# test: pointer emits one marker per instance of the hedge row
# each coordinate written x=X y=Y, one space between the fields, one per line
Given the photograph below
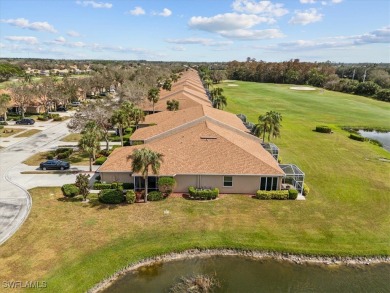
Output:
x=323 y=129
x=70 y=190
x=356 y=137
x=203 y=194
x=114 y=185
x=272 y=194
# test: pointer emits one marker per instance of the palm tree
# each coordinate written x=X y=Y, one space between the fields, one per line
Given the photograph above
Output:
x=143 y=160
x=167 y=84
x=269 y=122
x=215 y=93
x=220 y=102
x=172 y=105
x=274 y=124
x=154 y=95
x=122 y=118
x=90 y=141
x=4 y=101
x=137 y=115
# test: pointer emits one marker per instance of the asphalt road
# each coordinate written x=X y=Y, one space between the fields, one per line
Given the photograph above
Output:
x=15 y=201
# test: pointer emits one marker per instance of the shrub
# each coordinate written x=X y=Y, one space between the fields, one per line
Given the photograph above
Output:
x=53 y=116
x=128 y=130
x=155 y=196
x=292 y=194
x=166 y=185
x=128 y=185
x=63 y=150
x=50 y=157
x=63 y=155
x=357 y=137
x=111 y=196
x=70 y=190
x=58 y=118
x=101 y=186
x=43 y=118
x=1 y=126
x=117 y=185
x=100 y=161
x=306 y=189
x=272 y=194
x=203 y=194
x=3 y=123
x=105 y=153
x=323 y=129
x=130 y=196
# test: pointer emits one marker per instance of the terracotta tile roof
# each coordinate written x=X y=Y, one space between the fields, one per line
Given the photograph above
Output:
x=169 y=121
x=205 y=148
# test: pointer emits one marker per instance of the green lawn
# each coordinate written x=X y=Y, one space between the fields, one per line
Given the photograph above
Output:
x=72 y=246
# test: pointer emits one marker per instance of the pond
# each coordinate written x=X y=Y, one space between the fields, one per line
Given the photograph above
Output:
x=382 y=137
x=242 y=274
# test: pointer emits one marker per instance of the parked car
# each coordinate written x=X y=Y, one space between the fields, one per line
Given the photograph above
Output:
x=76 y=104
x=61 y=109
x=54 y=165
x=26 y=121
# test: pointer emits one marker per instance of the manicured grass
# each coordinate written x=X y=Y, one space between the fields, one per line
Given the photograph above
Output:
x=28 y=133
x=8 y=131
x=73 y=137
x=76 y=158
x=73 y=245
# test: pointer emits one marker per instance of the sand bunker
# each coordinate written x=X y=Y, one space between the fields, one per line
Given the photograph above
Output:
x=302 y=88
x=231 y=84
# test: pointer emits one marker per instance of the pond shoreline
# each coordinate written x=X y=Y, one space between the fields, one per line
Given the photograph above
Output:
x=193 y=253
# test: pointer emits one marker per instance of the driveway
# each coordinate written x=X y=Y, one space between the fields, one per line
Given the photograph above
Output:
x=15 y=201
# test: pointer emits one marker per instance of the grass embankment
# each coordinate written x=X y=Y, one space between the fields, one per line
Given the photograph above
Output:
x=28 y=133
x=73 y=246
x=73 y=137
x=7 y=131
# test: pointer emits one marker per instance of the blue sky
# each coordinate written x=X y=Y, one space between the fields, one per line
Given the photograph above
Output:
x=197 y=30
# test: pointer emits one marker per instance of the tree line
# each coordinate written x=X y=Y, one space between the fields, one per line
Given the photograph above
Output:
x=367 y=80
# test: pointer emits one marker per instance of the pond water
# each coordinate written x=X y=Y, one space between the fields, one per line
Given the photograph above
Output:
x=240 y=274
x=382 y=137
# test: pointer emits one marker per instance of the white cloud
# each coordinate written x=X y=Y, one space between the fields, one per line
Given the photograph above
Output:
x=305 y=17
x=377 y=36
x=36 y=26
x=137 y=11
x=337 y=1
x=60 y=40
x=308 y=1
x=94 y=4
x=73 y=34
x=77 y=44
x=199 y=41
x=227 y=21
x=166 y=12
x=23 y=39
x=252 y=34
x=266 y=8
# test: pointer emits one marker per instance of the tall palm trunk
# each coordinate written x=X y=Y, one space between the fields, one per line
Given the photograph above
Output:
x=121 y=134
x=146 y=187
x=90 y=163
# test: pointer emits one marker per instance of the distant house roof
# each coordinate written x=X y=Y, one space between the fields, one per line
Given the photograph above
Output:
x=167 y=121
x=205 y=148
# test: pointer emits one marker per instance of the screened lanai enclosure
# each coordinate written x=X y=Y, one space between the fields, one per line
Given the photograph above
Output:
x=272 y=149
x=294 y=176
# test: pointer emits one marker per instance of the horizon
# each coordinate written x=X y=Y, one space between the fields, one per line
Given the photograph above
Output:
x=201 y=31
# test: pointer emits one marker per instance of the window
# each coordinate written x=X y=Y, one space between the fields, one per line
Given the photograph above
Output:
x=269 y=183
x=227 y=181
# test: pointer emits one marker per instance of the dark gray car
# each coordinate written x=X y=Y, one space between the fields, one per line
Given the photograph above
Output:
x=54 y=165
